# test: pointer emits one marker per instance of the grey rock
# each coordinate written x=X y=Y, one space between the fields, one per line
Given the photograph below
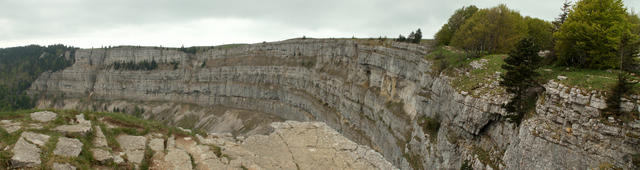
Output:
x=133 y=146
x=63 y=166
x=68 y=147
x=35 y=138
x=101 y=155
x=157 y=144
x=44 y=116
x=10 y=126
x=25 y=154
x=100 y=140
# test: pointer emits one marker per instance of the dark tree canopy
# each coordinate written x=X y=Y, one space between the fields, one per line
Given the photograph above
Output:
x=520 y=74
x=20 y=66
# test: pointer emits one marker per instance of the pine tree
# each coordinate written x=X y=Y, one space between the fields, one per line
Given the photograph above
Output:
x=566 y=8
x=614 y=100
x=520 y=75
x=417 y=37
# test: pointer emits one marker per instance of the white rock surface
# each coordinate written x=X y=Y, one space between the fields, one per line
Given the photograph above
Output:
x=44 y=116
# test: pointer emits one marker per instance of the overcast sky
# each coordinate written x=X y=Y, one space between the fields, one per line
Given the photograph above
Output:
x=172 y=23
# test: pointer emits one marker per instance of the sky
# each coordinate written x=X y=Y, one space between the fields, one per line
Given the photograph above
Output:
x=175 y=23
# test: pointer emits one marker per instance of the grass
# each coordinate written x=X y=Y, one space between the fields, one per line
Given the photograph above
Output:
x=478 y=79
x=455 y=64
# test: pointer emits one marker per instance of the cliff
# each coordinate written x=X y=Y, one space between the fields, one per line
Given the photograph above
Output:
x=379 y=94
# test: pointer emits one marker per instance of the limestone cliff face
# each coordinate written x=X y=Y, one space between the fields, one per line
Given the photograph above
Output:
x=374 y=93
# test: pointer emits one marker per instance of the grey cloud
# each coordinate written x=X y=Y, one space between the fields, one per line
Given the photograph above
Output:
x=32 y=19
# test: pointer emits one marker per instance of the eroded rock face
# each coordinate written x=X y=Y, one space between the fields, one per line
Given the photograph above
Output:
x=373 y=93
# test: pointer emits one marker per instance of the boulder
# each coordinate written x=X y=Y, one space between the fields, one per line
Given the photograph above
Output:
x=68 y=147
x=44 y=116
x=25 y=154
x=101 y=155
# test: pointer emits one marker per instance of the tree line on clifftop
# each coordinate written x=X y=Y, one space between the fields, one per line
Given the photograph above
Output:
x=588 y=34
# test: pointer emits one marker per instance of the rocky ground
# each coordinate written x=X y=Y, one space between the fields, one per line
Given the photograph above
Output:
x=65 y=140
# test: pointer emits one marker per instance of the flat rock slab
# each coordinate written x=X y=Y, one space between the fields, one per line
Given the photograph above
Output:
x=100 y=140
x=178 y=159
x=35 y=138
x=101 y=155
x=133 y=146
x=69 y=147
x=44 y=116
x=74 y=129
x=25 y=154
x=10 y=126
x=63 y=166
x=157 y=145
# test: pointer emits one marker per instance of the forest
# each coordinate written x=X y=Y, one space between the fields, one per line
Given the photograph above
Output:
x=20 y=66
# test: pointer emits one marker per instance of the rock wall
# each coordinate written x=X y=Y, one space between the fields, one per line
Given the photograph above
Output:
x=375 y=93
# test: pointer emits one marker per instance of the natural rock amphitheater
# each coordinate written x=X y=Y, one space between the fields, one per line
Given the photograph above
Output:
x=310 y=104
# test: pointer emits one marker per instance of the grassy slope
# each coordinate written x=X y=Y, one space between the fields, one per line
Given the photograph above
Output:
x=586 y=79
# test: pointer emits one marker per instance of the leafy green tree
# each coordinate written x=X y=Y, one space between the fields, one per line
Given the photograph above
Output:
x=592 y=35
x=540 y=32
x=494 y=30
x=520 y=76
x=443 y=37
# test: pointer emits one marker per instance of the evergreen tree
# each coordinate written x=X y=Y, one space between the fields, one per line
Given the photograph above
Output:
x=592 y=35
x=417 y=37
x=401 y=38
x=622 y=87
x=520 y=75
x=566 y=8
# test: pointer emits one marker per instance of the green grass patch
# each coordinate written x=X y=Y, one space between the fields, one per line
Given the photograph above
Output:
x=456 y=63
x=587 y=79
x=478 y=79
x=445 y=60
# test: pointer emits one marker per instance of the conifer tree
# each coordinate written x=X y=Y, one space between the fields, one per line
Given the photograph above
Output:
x=520 y=75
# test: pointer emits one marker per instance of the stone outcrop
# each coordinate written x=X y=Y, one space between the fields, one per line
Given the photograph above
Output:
x=26 y=152
x=374 y=93
x=133 y=146
x=68 y=147
x=43 y=116
x=80 y=127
